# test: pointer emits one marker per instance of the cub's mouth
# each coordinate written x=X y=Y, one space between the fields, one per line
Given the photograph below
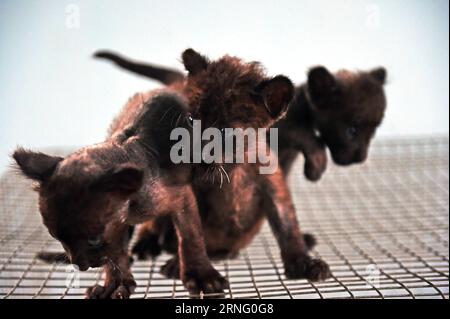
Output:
x=346 y=159
x=342 y=161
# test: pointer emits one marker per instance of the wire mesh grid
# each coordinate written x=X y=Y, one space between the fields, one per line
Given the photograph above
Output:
x=381 y=226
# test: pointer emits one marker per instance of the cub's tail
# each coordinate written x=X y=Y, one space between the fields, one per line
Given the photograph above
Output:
x=164 y=75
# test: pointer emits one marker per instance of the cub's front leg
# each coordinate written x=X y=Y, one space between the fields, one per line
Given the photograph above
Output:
x=196 y=271
x=303 y=139
x=283 y=222
x=119 y=282
x=314 y=151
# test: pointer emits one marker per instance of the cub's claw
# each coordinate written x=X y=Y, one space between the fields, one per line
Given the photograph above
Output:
x=208 y=281
x=120 y=289
x=318 y=270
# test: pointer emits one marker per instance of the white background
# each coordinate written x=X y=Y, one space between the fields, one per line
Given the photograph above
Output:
x=53 y=93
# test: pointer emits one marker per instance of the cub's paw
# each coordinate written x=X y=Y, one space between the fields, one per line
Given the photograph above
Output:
x=206 y=280
x=315 y=165
x=171 y=269
x=146 y=247
x=307 y=268
x=119 y=289
x=318 y=270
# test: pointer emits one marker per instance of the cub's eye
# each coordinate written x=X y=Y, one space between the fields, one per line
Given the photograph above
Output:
x=190 y=120
x=350 y=132
x=95 y=242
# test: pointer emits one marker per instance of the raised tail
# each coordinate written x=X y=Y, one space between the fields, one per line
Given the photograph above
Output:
x=162 y=74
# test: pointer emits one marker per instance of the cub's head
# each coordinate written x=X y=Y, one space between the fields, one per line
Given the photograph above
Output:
x=228 y=93
x=347 y=108
x=79 y=199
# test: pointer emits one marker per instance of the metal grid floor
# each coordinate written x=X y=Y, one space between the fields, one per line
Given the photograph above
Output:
x=383 y=227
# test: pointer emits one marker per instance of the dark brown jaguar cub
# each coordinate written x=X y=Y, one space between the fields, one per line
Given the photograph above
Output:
x=89 y=199
x=341 y=112
x=232 y=212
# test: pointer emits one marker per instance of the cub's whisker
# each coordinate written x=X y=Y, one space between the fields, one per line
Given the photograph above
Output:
x=226 y=174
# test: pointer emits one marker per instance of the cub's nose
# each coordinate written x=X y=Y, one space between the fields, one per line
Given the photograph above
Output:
x=83 y=266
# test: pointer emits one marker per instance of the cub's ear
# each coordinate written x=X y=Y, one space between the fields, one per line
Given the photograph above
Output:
x=321 y=81
x=379 y=74
x=124 y=179
x=34 y=165
x=276 y=93
x=194 y=62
